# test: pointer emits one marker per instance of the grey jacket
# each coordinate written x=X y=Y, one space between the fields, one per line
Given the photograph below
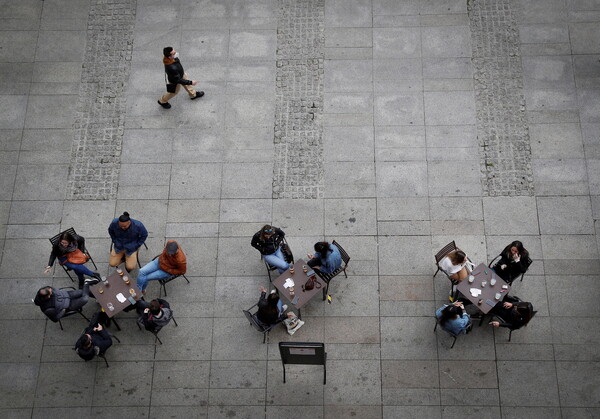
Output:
x=54 y=307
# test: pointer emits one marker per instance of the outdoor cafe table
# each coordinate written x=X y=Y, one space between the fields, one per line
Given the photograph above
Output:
x=299 y=278
x=487 y=297
x=116 y=286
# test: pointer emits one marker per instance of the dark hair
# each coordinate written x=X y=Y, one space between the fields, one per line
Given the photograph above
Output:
x=322 y=248
x=44 y=292
x=266 y=229
x=457 y=256
x=269 y=310
x=84 y=342
x=524 y=311
x=449 y=313
x=522 y=251
x=154 y=307
x=167 y=51
x=66 y=236
x=273 y=299
x=124 y=218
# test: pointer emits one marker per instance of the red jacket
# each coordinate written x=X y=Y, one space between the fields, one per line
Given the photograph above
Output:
x=174 y=264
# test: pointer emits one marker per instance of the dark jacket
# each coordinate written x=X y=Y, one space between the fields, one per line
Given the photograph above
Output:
x=513 y=269
x=129 y=240
x=54 y=307
x=174 y=71
x=509 y=317
x=58 y=252
x=269 y=246
x=101 y=341
x=153 y=323
x=267 y=314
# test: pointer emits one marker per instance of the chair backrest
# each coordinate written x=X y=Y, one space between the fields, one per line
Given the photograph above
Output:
x=257 y=324
x=343 y=253
x=444 y=251
x=54 y=240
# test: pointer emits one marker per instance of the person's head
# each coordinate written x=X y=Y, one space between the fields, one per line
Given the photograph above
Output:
x=84 y=341
x=172 y=247
x=516 y=248
x=45 y=293
x=168 y=52
x=154 y=307
x=450 y=312
x=65 y=239
x=457 y=257
x=266 y=232
x=124 y=221
x=273 y=299
x=322 y=248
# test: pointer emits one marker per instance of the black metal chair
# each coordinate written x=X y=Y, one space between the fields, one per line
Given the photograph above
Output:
x=80 y=244
x=155 y=331
x=163 y=282
x=103 y=354
x=328 y=277
x=527 y=261
x=258 y=325
x=514 y=300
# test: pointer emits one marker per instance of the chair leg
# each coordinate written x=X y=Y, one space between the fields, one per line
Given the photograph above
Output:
x=509 y=335
x=435 y=328
x=265 y=336
x=60 y=323
x=453 y=342
x=80 y=311
x=156 y=335
x=116 y=338
x=188 y=281
x=105 y=361
x=325 y=291
x=115 y=322
x=163 y=286
x=174 y=321
x=438 y=269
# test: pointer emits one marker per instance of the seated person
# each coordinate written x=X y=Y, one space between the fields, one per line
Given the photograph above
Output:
x=171 y=262
x=268 y=242
x=270 y=308
x=454 y=264
x=453 y=318
x=513 y=313
x=70 y=252
x=514 y=261
x=94 y=340
x=54 y=302
x=127 y=236
x=327 y=258
x=154 y=315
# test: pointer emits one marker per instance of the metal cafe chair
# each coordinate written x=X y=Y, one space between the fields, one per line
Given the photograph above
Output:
x=328 y=277
x=155 y=331
x=528 y=261
x=257 y=324
x=163 y=282
x=444 y=251
x=454 y=336
x=80 y=244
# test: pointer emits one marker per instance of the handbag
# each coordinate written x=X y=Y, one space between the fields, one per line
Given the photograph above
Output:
x=77 y=257
x=287 y=253
x=311 y=284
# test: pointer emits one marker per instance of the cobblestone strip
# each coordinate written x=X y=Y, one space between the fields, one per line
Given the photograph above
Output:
x=100 y=120
x=298 y=164
x=501 y=122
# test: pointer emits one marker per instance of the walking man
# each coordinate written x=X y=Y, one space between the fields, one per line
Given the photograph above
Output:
x=177 y=78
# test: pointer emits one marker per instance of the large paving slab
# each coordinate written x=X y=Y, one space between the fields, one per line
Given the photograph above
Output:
x=393 y=127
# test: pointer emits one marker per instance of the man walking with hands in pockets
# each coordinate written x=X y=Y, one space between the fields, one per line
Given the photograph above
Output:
x=177 y=78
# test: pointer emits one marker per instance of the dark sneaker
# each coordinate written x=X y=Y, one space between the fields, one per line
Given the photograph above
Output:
x=91 y=281
x=97 y=276
x=165 y=105
x=198 y=94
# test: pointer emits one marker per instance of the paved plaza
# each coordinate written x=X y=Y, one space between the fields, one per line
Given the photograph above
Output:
x=390 y=126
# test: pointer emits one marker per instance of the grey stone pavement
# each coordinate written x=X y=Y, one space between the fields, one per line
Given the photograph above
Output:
x=392 y=126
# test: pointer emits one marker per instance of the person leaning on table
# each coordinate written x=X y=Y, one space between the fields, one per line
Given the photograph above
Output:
x=127 y=236
x=327 y=257
x=453 y=318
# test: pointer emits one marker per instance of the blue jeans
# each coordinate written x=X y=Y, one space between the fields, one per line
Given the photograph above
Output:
x=79 y=268
x=277 y=259
x=150 y=272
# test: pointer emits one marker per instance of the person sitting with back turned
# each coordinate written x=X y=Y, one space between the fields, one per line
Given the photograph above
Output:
x=454 y=264
x=54 y=303
x=270 y=308
x=327 y=257
x=94 y=340
x=171 y=262
x=512 y=313
x=70 y=252
x=453 y=318
x=514 y=261
x=154 y=315
x=127 y=236
x=268 y=242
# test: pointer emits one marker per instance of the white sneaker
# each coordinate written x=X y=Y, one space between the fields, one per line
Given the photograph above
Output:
x=284 y=307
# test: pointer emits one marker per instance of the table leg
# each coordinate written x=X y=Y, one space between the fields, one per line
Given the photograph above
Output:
x=299 y=314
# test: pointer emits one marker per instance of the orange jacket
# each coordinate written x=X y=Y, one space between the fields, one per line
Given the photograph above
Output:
x=174 y=264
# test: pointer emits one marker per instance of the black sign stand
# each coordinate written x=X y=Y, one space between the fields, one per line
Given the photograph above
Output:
x=307 y=353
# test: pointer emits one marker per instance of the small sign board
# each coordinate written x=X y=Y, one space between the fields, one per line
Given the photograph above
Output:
x=307 y=353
